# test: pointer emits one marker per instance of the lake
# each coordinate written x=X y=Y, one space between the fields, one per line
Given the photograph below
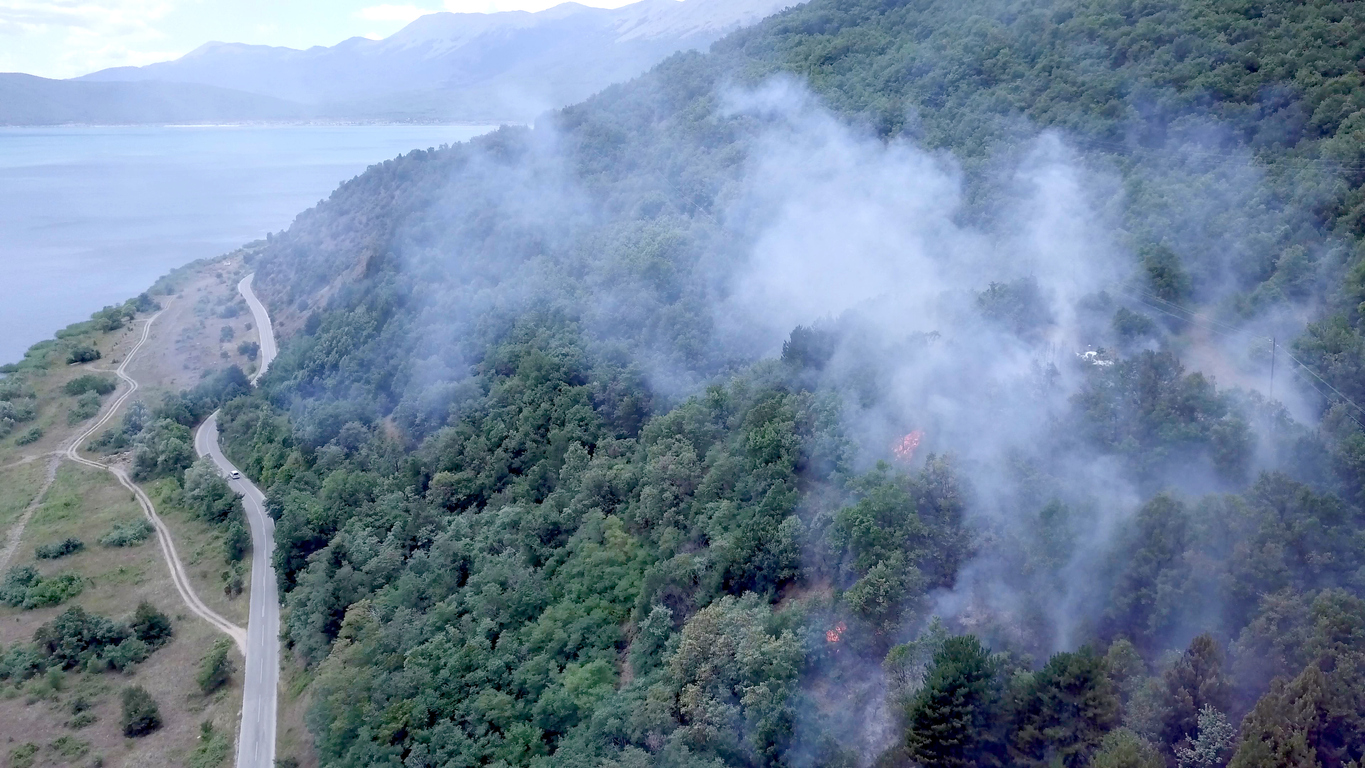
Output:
x=91 y=216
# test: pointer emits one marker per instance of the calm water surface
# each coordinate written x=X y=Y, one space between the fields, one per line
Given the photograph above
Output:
x=92 y=216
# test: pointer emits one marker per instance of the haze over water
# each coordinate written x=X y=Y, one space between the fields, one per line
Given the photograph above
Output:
x=91 y=216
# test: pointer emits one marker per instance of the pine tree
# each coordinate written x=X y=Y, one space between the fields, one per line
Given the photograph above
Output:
x=954 y=720
x=1065 y=710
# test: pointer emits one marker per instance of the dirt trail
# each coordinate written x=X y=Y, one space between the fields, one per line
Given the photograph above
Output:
x=16 y=532
x=72 y=451
x=29 y=459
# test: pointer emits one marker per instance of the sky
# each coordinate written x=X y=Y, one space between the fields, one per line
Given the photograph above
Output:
x=68 y=38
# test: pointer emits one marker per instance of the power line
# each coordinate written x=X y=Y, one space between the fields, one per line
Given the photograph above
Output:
x=1194 y=318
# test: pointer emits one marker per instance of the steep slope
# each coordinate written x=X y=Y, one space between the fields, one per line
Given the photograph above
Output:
x=657 y=434
x=29 y=100
x=509 y=65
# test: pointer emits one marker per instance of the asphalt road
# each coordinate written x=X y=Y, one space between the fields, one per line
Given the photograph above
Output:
x=256 y=742
x=263 y=327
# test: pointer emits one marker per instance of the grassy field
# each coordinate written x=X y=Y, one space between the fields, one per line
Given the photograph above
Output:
x=38 y=716
x=18 y=485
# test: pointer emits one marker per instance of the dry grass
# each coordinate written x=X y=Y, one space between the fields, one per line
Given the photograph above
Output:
x=200 y=546
x=18 y=485
x=185 y=342
x=293 y=739
x=86 y=503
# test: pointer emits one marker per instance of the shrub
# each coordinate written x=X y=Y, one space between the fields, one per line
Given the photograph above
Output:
x=82 y=354
x=23 y=755
x=217 y=666
x=33 y=435
x=236 y=542
x=21 y=662
x=14 y=589
x=68 y=546
x=76 y=637
x=127 y=534
x=90 y=382
x=54 y=591
x=18 y=410
x=87 y=405
x=209 y=496
x=151 y=626
x=111 y=318
x=140 y=713
x=214 y=747
x=227 y=334
x=250 y=349
x=127 y=654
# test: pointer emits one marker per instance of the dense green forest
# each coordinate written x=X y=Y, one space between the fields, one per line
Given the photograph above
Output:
x=548 y=492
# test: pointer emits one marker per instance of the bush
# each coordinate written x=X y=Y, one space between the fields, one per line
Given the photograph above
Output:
x=24 y=588
x=18 y=411
x=236 y=542
x=87 y=405
x=90 y=382
x=163 y=448
x=209 y=496
x=140 y=713
x=250 y=349
x=33 y=435
x=151 y=626
x=127 y=654
x=227 y=334
x=217 y=666
x=213 y=750
x=21 y=662
x=14 y=589
x=68 y=546
x=77 y=637
x=82 y=354
x=23 y=755
x=127 y=534
x=53 y=591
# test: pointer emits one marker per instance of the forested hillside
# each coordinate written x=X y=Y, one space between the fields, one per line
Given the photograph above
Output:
x=890 y=385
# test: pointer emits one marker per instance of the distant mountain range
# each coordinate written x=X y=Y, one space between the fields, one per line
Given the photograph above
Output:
x=442 y=67
x=29 y=100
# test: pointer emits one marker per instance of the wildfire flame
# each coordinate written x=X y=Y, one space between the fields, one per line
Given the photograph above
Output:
x=834 y=635
x=905 y=449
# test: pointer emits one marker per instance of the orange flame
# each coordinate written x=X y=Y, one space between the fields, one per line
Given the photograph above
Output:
x=834 y=635
x=905 y=449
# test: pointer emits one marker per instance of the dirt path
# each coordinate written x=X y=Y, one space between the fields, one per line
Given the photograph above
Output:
x=28 y=460
x=163 y=534
x=16 y=533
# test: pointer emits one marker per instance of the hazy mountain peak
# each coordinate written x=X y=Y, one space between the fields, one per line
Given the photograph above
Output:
x=466 y=66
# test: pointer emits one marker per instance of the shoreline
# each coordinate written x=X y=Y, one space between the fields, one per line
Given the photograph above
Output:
x=282 y=124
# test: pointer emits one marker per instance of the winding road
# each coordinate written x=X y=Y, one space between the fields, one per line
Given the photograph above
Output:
x=256 y=742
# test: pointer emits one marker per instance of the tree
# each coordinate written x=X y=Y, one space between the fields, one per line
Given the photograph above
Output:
x=1065 y=711
x=1209 y=748
x=1122 y=748
x=151 y=626
x=217 y=667
x=208 y=495
x=141 y=715
x=954 y=720
x=75 y=636
x=1195 y=681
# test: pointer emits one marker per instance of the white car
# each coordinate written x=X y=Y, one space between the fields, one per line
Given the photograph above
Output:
x=235 y=475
